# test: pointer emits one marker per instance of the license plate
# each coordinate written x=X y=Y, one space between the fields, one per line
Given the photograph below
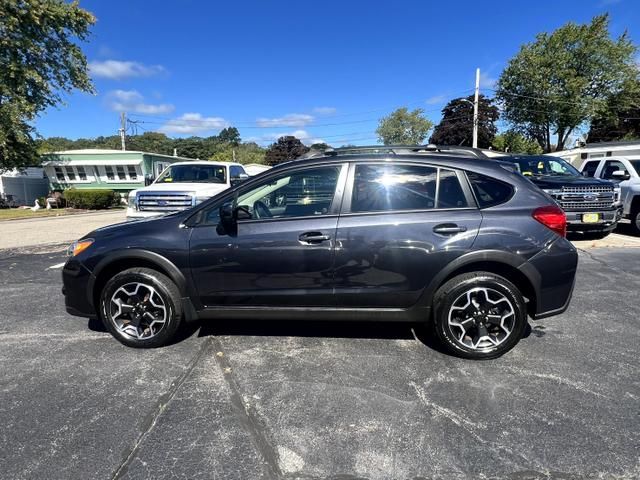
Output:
x=590 y=217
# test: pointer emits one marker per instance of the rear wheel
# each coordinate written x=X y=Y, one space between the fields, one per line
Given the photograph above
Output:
x=479 y=315
x=141 y=308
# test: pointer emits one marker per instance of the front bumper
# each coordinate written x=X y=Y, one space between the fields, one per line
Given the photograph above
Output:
x=608 y=219
x=75 y=279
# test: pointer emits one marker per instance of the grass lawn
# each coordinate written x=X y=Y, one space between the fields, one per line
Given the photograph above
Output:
x=15 y=213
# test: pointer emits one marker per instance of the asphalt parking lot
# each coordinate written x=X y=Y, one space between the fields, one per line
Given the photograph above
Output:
x=252 y=400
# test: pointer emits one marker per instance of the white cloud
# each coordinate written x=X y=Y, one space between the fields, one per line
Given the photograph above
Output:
x=132 y=101
x=325 y=110
x=192 y=123
x=116 y=69
x=487 y=81
x=289 y=120
x=436 y=100
x=302 y=135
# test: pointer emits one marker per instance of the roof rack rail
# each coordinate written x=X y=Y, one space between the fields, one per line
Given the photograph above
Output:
x=407 y=149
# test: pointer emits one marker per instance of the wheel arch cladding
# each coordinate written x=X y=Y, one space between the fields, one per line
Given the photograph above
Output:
x=111 y=265
x=509 y=266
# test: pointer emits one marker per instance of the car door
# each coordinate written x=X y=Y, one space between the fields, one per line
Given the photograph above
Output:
x=280 y=251
x=400 y=225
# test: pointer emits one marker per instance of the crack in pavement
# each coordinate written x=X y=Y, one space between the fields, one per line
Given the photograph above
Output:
x=604 y=263
x=248 y=419
x=161 y=406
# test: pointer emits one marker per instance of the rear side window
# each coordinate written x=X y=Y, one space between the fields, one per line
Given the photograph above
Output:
x=379 y=188
x=590 y=168
x=489 y=191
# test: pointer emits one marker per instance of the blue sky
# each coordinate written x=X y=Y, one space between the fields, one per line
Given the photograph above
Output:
x=325 y=71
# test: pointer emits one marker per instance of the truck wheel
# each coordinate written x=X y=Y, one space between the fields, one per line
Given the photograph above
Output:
x=479 y=315
x=635 y=221
x=141 y=308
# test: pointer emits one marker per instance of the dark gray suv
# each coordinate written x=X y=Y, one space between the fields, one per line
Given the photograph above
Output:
x=436 y=236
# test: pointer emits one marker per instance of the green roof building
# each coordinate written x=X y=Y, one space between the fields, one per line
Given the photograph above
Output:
x=119 y=170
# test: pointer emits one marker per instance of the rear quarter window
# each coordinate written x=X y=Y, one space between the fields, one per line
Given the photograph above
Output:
x=489 y=191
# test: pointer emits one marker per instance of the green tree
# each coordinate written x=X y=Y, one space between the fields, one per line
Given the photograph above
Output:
x=514 y=142
x=456 y=126
x=559 y=81
x=620 y=119
x=244 y=153
x=284 y=149
x=39 y=62
x=404 y=127
x=153 y=142
x=229 y=135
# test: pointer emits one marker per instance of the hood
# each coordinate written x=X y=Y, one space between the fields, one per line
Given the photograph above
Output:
x=200 y=189
x=551 y=182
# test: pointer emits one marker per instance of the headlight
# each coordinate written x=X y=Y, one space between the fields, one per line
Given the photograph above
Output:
x=131 y=202
x=553 y=192
x=616 y=194
x=78 y=247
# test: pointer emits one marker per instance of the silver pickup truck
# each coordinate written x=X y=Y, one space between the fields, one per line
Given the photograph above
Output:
x=625 y=171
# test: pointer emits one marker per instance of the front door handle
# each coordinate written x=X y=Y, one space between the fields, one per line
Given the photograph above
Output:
x=313 y=237
x=449 y=229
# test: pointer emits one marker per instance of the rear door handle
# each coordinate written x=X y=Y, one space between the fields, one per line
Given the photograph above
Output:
x=313 y=237
x=449 y=229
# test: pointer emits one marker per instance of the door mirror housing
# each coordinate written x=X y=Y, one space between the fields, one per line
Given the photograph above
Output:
x=238 y=179
x=229 y=216
x=621 y=175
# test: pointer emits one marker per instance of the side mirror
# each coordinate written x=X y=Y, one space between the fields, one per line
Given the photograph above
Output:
x=620 y=175
x=229 y=216
x=239 y=179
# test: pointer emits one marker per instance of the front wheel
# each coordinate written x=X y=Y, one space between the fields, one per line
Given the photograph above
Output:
x=141 y=308
x=635 y=221
x=479 y=315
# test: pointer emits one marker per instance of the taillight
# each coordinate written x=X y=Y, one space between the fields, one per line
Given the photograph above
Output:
x=553 y=218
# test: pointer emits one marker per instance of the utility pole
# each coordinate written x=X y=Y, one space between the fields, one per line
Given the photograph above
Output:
x=475 y=110
x=123 y=129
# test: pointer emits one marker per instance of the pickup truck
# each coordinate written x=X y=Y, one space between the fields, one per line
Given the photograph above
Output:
x=591 y=204
x=625 y=172
x=183 y=185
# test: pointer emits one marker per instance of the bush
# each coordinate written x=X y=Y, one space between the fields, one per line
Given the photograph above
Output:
x=91 y=199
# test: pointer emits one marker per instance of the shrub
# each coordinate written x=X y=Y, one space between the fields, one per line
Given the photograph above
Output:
x=91 y=199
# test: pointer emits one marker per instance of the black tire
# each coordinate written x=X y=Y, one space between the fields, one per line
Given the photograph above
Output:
x=458 y=290
x=165 y=289
x=635 y=221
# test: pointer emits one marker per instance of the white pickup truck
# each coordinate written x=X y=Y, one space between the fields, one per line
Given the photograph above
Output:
x=183 y=185
x=625 y=171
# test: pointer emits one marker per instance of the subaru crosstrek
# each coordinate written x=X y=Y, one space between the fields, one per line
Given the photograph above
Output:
x=442 y=237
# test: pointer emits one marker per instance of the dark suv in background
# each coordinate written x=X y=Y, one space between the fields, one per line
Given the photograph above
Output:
x=591 y=204
x=387 y=234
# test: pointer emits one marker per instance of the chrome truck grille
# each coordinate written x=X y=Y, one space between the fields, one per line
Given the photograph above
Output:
x=586 y=198
x=164 y=202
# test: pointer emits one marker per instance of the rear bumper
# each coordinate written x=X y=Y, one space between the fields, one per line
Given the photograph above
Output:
x=607 y=222
x=556 y=266
x=75 y=279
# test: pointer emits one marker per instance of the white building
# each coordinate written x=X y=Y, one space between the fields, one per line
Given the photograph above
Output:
x=25 y=186
x=577 y=156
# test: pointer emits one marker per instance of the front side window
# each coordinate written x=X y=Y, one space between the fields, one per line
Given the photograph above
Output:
x=194 y=174
x=379 y=188
x=636 y=165
x=303 y=193
x=590 y=168
x=611 y=166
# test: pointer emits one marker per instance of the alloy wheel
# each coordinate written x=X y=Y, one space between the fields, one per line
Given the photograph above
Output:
x=481 y=318
x=137 y=311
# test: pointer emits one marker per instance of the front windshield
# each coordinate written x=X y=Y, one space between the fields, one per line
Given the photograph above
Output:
x=194 y=174
x=534 y=166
